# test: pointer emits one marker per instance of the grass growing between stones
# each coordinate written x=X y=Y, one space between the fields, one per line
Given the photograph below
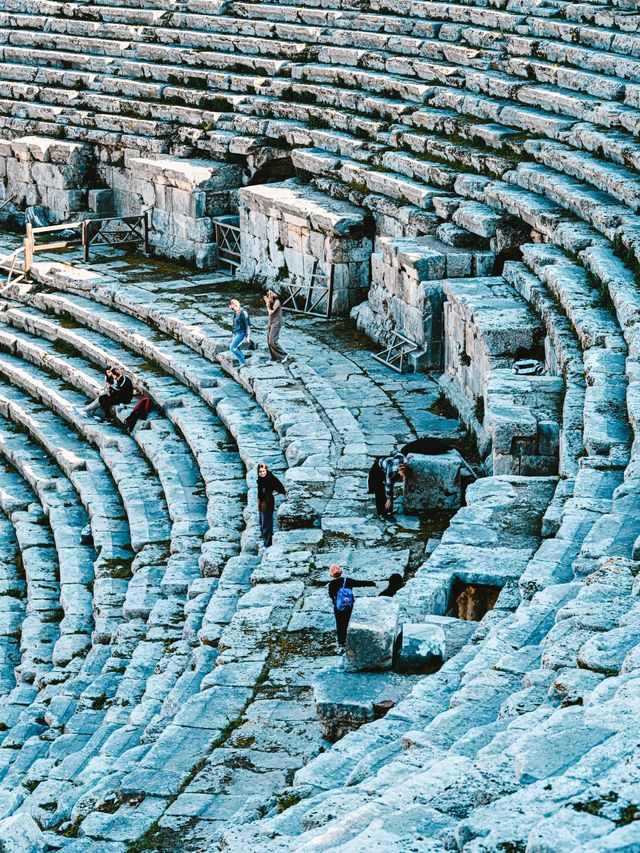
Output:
x=285 y=801
x=162 y=838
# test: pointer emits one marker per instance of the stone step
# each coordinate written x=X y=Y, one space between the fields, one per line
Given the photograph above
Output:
x=619 y=183
x=12 y=595
x=200 y=428
x=609 y=35
x=76 y=370
x=74 y=559
x=565 y=53
x=340 y=18
x=144 y=510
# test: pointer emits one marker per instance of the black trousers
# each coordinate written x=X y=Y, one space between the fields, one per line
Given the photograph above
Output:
x=381 y=500
x=342 y=623
x=107 y=401
x=266 y=527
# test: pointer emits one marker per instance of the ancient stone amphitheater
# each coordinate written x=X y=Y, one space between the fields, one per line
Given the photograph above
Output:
x=463 y=178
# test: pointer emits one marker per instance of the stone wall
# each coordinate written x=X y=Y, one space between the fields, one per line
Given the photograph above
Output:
x=486 y=326
x=406 y=292
x=185 y=196
x=290 y=231
x=50 y=173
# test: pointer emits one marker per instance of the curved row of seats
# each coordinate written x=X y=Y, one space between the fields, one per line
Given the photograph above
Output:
x=299 y=408
x=228 y=657
x=188 y=630
x=572 y=640
x=156 y=58
x=160 y=519
x=510 y=743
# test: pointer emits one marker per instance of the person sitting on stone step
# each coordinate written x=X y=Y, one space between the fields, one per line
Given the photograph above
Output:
x=241 y=326
x=120 y=392
x=341 y=594
x=108 y=382
x=268 y=483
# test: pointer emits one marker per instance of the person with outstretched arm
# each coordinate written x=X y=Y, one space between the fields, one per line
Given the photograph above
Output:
x=341 y=594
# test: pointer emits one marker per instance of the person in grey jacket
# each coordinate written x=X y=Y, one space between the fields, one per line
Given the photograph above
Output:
x=274 y=310
x=241 y=329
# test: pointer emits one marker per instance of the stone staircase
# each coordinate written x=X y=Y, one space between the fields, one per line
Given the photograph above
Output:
x=198 y=637
x=139 y=611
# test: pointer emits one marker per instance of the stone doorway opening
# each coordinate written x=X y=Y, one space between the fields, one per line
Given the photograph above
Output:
x=471 y=601
x=276 y=169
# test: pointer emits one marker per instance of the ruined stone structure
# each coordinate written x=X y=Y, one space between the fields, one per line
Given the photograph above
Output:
x=464 y=174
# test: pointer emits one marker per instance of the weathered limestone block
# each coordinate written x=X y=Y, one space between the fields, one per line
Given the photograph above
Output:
x=372 y=634
x=421 y=648
x=51 y=173
x=406 y=290
x=522 y=418
x=345 y=701
x=487 y=326
x=290 y=233
x=426 y=645
x=185 y=194
x=21 y=834
x=434 y=482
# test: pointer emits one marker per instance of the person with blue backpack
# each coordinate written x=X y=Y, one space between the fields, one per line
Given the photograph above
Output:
x=341 y=594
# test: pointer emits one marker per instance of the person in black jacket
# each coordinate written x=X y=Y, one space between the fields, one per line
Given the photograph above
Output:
x=108 y=382
x=342 y=617
x=394 y=583
x=121 y=391
x=268 y=483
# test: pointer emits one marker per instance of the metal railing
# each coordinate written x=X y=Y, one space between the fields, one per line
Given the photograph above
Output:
x=128 y=230
x=115 y=231
x=395 y=355
x=313 y=297
x=227 y=236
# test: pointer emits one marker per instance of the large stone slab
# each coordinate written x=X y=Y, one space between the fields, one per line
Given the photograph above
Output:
x=434 y=482
x=345 y=701
x=426 y=645
x=372 y=634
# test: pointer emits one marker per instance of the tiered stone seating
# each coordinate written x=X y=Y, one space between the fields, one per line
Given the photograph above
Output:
x=508 y=127
x=228 y=620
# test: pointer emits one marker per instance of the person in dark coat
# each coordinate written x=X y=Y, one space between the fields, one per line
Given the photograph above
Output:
x=394 y=583
x=121 y=391
x=343 y=616
x=268 y=483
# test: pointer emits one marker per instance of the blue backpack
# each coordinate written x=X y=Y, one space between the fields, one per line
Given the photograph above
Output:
x=344 y=598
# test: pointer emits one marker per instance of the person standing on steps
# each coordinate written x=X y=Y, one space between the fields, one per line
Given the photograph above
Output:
x=341 y=594
x=241 y=330
x=383 y=475
x=268 y=483
x=121 y=391
x=274 y=310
